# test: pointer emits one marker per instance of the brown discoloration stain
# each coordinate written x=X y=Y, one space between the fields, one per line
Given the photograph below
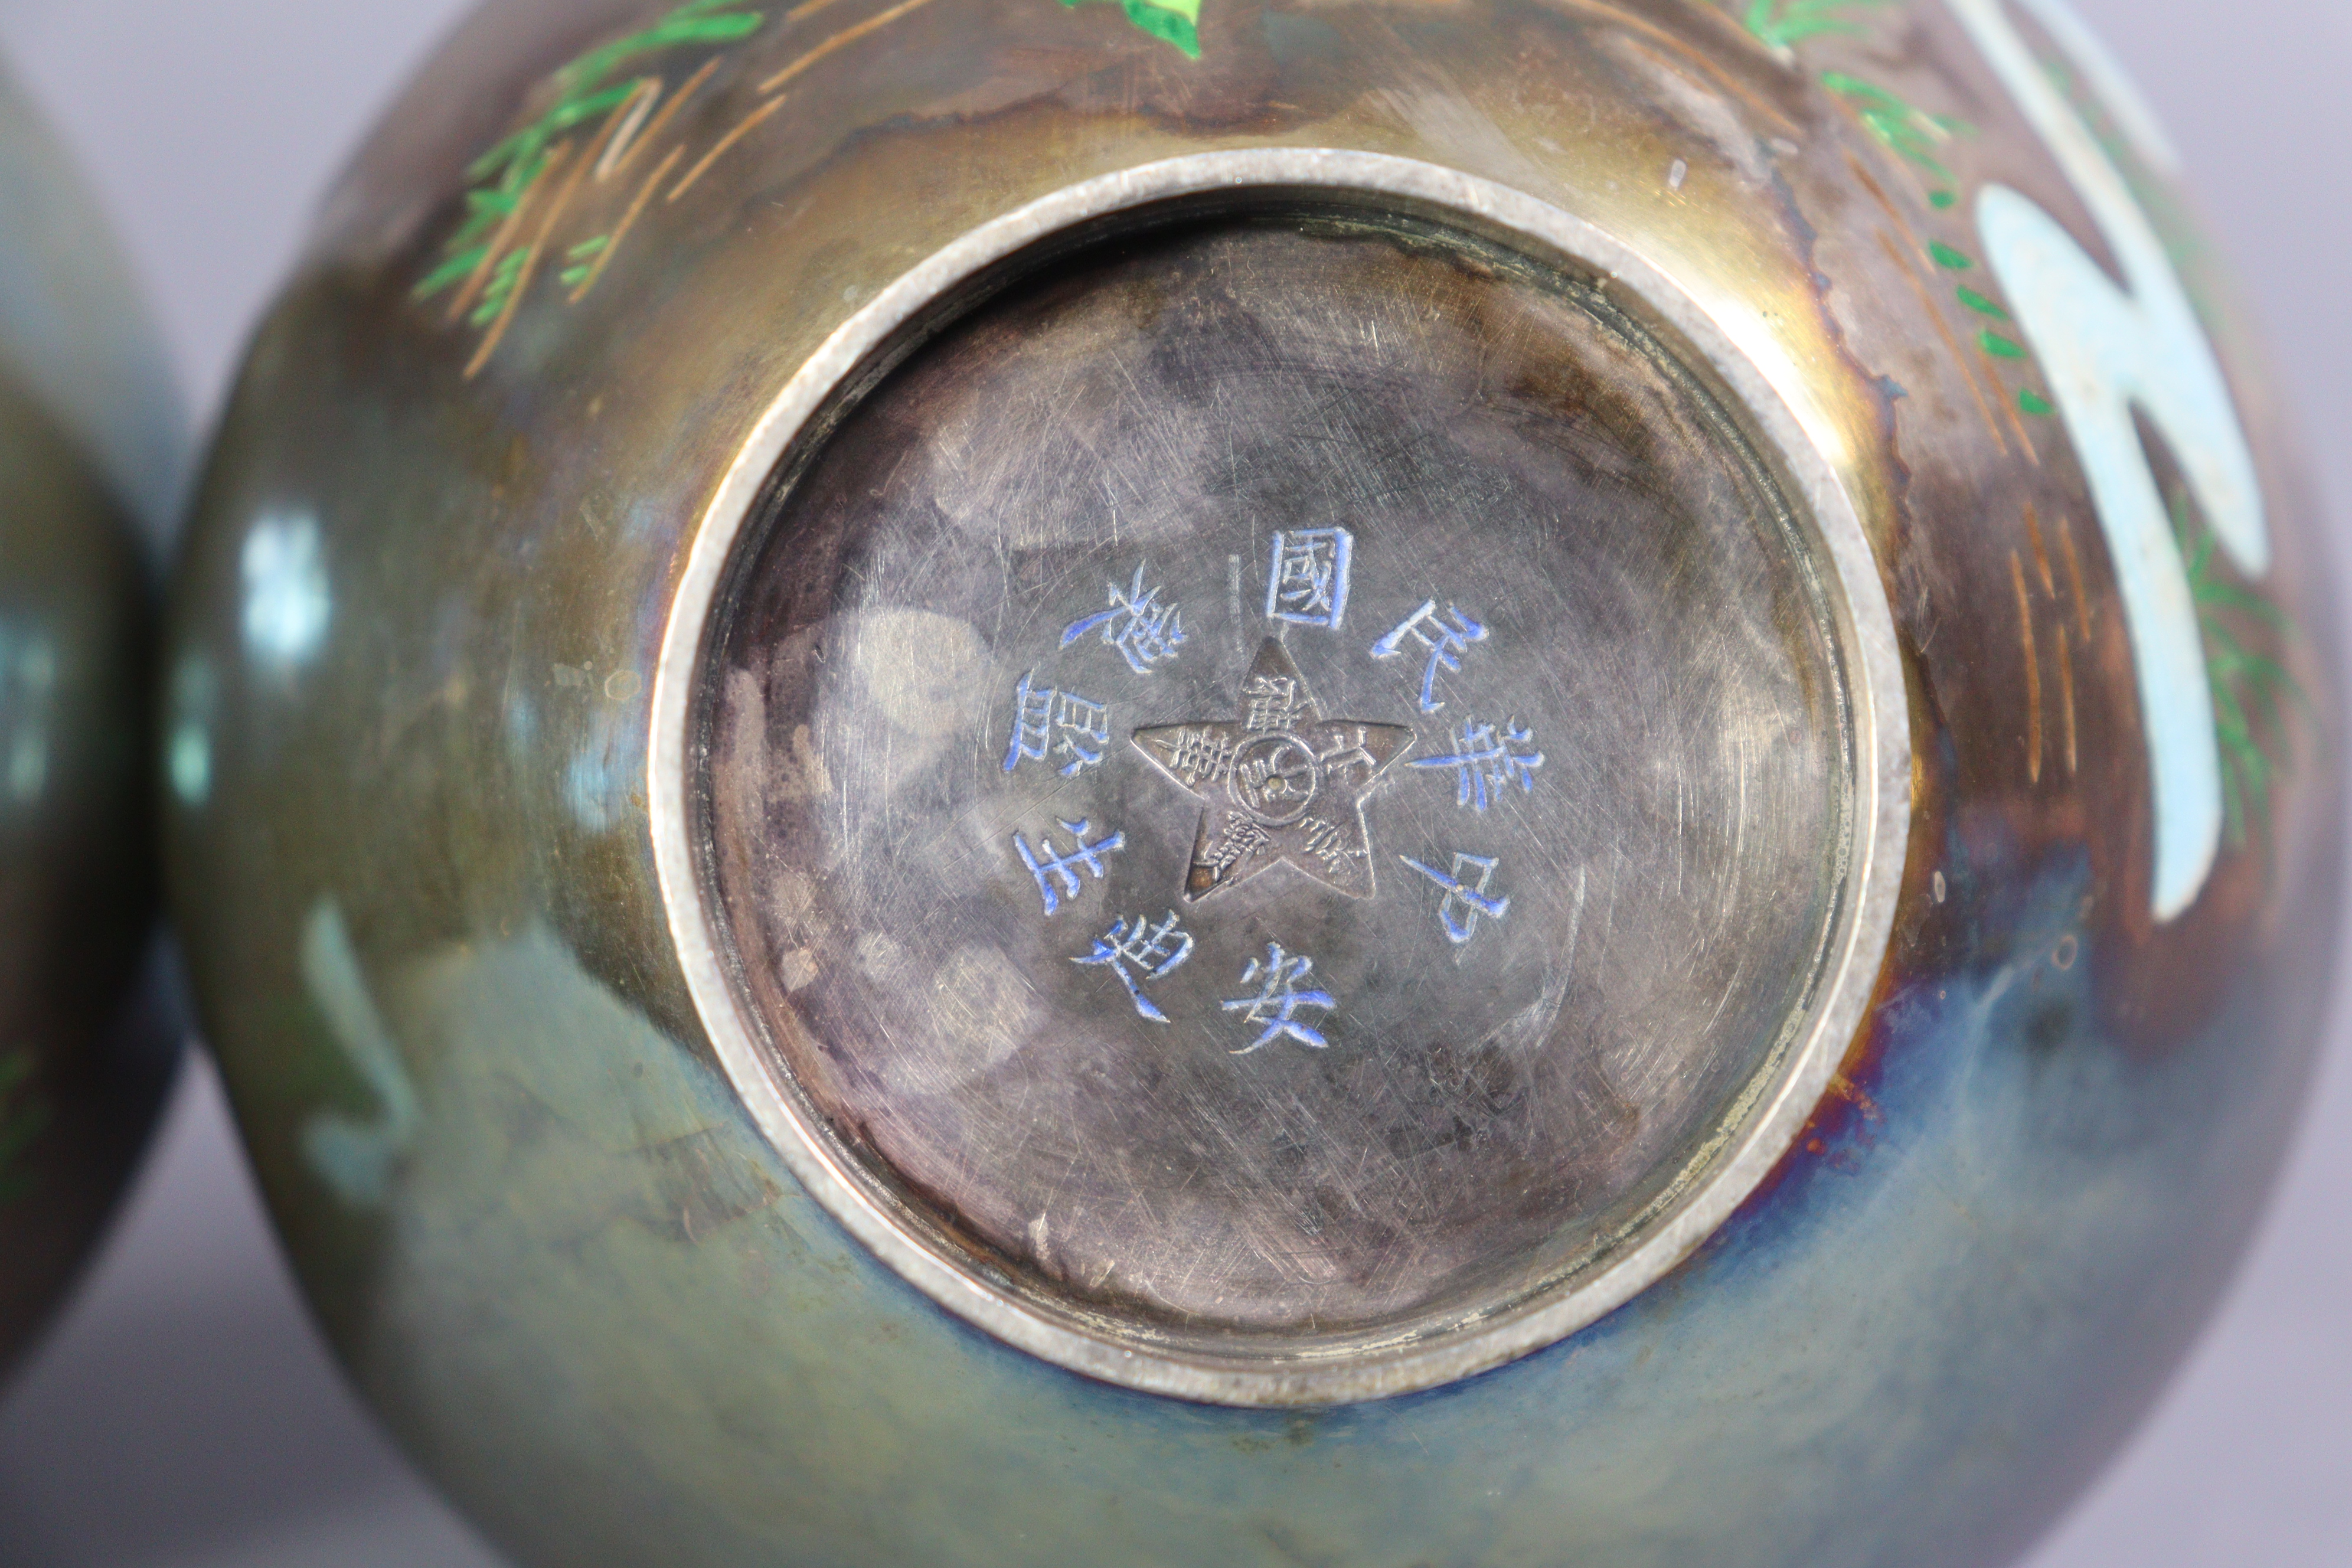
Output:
x=1853 y=1094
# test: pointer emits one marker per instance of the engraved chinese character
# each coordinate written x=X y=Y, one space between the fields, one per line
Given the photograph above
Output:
x=1057 y=875
x=1155 y=950
x=1049 y=724
x=1281 y=979
x=1334 y=846
x=1484 y=761
x=1445 y=645
x=1145 y=631
x=1271 y=702
x=1235 y=839
x=1308 y=583
x=1199 y=756
x=1258 y=775
x=1347 y=750
x=1463 y=902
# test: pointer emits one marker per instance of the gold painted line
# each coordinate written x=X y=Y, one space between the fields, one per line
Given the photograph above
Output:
x=1918 y=246
x=1967 y=360
x=2017 y=423
x=2033 y=672
x=531 y=258
x=602 y=145
x=842 y=40
x=2041 y=555
x=1886 y=203
x=1690 y=51
x=2066 y=696
x=628 y=221
x=480 y=276
x=2075 y=577
x=627 y=116
x=1906 y=260
x=692 y=84
x=1944 y=331
x=743 y=128
x=1854 y=161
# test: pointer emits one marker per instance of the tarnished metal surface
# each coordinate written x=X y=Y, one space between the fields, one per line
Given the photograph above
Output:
x=486 y=473
x=88 y=454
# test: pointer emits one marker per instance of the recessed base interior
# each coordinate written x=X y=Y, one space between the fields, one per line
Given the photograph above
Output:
x=1279 y=784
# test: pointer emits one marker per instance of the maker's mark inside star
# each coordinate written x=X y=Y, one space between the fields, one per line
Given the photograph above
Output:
x=1280 y=783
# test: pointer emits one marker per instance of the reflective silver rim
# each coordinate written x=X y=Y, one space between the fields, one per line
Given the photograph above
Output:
x=1759 y=1129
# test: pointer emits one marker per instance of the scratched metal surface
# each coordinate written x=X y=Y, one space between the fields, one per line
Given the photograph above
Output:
x=591 y=1297
x=1584 y=598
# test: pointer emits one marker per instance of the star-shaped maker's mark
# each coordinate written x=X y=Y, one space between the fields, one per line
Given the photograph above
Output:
x=1280 y=783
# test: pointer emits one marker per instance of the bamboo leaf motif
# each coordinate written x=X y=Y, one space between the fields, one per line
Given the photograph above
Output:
x=584 y=89
x=2251 y=691
x=501 y=286
x=1902 y=128
x=582 y=259
x=1176 y=22
x=457 y=266
x=1983 y=305
x=1782 y=24
x=1909 y=133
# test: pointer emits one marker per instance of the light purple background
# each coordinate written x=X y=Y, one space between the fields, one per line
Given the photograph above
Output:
x=185 y=1412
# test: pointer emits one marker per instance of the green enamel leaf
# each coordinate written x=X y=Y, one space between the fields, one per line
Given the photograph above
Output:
x=1904 y=130
x=698 y=22
x=1981 y=304
x=585 y=90
x=1782 y=24
x=2000 y=347
x=2208 y=590
x=1173 y=22
x=1945 y=256
x=458 y=267
x=501 y=287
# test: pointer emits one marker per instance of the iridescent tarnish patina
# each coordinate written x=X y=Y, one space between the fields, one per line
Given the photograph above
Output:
x=812 y=631
x=89 y=445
